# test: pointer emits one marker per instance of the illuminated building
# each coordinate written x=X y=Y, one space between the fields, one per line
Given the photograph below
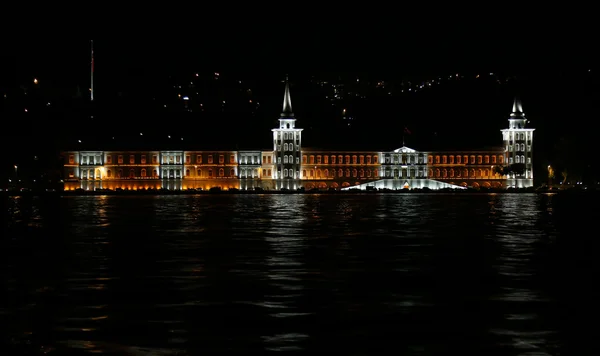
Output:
x=288 y=165
x=518 y=145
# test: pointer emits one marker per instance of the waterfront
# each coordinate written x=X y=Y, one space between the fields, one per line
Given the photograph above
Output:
x=418 y=274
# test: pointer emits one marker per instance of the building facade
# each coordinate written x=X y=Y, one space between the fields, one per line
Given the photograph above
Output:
x=289 y=166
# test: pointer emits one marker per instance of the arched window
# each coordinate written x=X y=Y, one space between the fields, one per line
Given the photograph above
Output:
x=132 y=173
x=340 y=173
x=143 y=172
x=375 y=172
x=517 y=159
x=221 y=172
x=187 y=172
x=451 y=173
x=326 y=172
x=288 y=125
x=232 y=172
x=354 y=173
x=285 y=158
x=108 y=173
x=120 y=173
x=154 y=173
x=199 y=173
x=285 y=147
x=362 y=173
x=318 y=173
x=285 y=172
x=347 y=172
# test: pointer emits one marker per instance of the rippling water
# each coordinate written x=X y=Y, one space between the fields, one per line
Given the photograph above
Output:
x=506 y=274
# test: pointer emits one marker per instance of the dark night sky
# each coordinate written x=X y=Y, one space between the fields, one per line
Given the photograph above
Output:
x=402 y=48
x=551 y=61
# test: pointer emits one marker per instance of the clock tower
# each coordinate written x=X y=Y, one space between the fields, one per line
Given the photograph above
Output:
x=287 y=143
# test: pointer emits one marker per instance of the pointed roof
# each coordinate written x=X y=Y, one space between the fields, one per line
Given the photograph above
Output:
x=287 y=101
x=517 y=108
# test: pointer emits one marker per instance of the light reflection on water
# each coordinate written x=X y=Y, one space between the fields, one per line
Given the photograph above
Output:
x=187 y=275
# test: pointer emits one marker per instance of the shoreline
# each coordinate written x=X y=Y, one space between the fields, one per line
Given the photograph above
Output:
x=275 y=192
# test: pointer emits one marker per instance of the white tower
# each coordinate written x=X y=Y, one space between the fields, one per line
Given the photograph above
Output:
x=287 y=141
x=518 y=148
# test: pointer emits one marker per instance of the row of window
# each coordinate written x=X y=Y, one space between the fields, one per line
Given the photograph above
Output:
x=311 y=173
x=518 y=136
x=253 y=173
x=288 y=147
x=166 y=159
x=312 y=159
x=288 y=159
x=466 y=159
x=288 y=135
x=210 y=159
x=143 y=173
x=519 y=159
x=326 y=173
x=518 y=148
x=462 y=173
x=340 y=159
x=406 y=159
x=244 y=159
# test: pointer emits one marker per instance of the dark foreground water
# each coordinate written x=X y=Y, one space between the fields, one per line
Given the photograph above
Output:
x=506 y=274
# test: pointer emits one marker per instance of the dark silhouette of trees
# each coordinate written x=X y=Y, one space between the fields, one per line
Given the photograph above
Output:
x=516 y=168
x=569 y=161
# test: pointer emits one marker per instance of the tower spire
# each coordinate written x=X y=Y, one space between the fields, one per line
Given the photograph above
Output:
x=92 y=72
x=287 y=101
x=517 y=108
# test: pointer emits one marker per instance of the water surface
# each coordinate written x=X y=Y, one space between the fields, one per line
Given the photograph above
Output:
x=410 y=274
